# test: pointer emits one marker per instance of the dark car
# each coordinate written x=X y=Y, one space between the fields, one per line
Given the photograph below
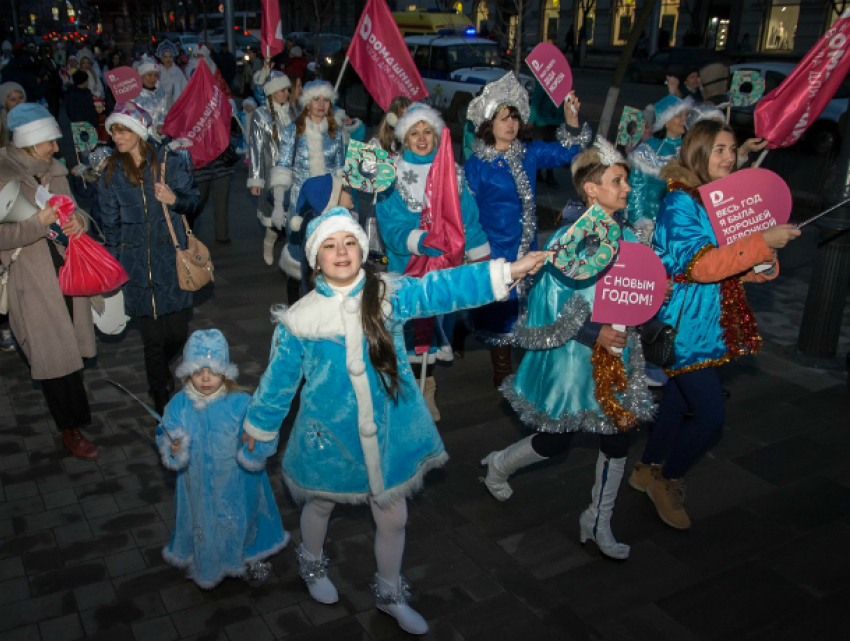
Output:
x=671 y=61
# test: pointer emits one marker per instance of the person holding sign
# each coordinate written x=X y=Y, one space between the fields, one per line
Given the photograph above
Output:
x=572 y=362
x=502 y=173
x=709 y=308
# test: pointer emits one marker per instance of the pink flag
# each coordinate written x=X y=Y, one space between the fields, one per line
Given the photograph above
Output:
x=271 y=40
x=441 y=218
x=784 y=114
x=201 y=115
x=381 y=59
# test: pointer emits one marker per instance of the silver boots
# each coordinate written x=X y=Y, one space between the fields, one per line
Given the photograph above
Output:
x=595 y=521
x=315 y=574
x=500 y=465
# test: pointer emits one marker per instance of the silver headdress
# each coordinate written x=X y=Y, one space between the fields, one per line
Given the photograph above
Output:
x=608 y=154
x=505 y=92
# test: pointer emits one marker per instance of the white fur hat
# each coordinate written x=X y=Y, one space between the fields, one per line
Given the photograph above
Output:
x=333 y=220
x=146 y=65
x=275 y=82
x=32 y=124
x=316 y=88
x=132 y=117
x=416 y=113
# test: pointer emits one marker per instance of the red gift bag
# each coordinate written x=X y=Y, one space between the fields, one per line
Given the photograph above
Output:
x=89 y=269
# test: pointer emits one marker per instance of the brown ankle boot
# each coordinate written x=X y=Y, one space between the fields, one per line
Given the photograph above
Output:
x=502 y=368
x=79 y=445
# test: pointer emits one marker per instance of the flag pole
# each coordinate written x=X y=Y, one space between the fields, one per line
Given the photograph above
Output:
x=758 y=161
x=341 y=72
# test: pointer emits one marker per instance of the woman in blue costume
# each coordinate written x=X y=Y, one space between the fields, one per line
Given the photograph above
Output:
x=649 y=157
x=502 y=175
x=557 y=388
x=362 y=433
x=418 y=131
x=709 y=306
x=227 y=520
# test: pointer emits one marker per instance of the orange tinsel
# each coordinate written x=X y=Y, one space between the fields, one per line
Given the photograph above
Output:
x=609 y=377
x=740 y=332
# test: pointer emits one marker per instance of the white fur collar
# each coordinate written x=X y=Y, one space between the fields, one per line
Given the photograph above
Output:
x=315 y=135
x=199 y=401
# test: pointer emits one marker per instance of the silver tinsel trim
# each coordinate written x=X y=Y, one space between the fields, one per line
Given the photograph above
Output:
x=415 y=205
x=258 y=573
x=496 y=340
x=402 y=597
x=644 y=159
x=570 y=319
x=584 y=138
x=311 y=571
x=637 y=399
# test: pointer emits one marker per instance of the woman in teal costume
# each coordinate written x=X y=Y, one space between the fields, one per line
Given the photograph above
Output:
x=647 y=160
x=363 y=433
x=554 y=390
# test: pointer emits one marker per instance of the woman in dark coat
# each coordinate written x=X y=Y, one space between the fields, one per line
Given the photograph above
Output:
x=131 y=200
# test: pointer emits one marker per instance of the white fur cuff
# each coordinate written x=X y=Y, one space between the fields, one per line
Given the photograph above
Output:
x=256 y=433
x=248 y=462
x=177 y=461
x=256 y=182
x=281 y=177
x=413 y=241
x=477 y=253
x=500 y=278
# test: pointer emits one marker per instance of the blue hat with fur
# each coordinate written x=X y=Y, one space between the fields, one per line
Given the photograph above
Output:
x=207 y=348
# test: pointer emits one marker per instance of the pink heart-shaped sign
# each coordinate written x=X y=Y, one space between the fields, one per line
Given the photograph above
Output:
x=552 y=70
x=125 y=83
x=745 y=202
x=632 y=289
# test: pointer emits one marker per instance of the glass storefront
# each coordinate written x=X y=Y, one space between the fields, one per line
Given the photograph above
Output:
x=781 y=26
x=623 y=15
x=550 y=24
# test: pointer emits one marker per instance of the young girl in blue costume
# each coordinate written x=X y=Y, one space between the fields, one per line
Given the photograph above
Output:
x=227 y=520
x=363 y=433
x=557 y=387
x=313 y=145
x=649 y=157
x=399 y=213
x=709 y=305
x=502 y=174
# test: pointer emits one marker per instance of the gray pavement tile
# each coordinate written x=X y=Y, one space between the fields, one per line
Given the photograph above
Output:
x=712 y=489
x=118 y=614
x=99 y=507
x=43 y=560
x=21 y=507
x=287 y=621
x=25 y=633
x=96 y=547
x=146 y=581
x=181 y=596
x=48 y=519
x=53 y=500
x=67 y=535
x=825 y=619
x=432 y=604
x=94 y=595
x=111 y=487
x=213 y=616
x=22 y=491
x=150 y=534
x=545 y=551
x=489 y=616
x=643 y=622
x=749 y=596
x=320 y=614
x=279 y=593
x=790 y=460
x=254 y=629
x=11 y=568
x=14 y=461
x=14 y=590
x=35 y=610
x=804 y=505
x=66 y=628
x=346 y=629
x=124 y=521
x=160 y=628
x=67 y=578
x=20 y=544
x=124 y=563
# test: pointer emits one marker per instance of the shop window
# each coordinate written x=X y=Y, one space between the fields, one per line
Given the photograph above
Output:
x=586 y=15
x=550 y=22
x=781 y=26
x=668 y=22
x=624 y=19
x=482 y=15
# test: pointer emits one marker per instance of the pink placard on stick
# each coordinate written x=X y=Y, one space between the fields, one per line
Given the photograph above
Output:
x=745 y=202
x=552 y=70
x=125 y=83
x=632 y=289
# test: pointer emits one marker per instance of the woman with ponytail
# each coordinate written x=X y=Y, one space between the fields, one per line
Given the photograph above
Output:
x=363 y=433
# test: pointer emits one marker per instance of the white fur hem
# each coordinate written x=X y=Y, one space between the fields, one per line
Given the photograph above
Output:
x=256 y=182
x=250 y=465
x=477 y=253
x=413 y=241
x=281 y=177
x=403 y=490
x=181 y=459
x=288 y=265
x=500 y=278
x=188 y=566
x=256 y=433
x=260 y=556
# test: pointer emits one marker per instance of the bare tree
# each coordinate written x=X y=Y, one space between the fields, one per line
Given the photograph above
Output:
x=322 y=13
x=512 y=28
x=582 y=10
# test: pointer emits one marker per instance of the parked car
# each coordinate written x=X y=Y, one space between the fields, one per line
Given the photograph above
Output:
x=673 y=60
x=328 y=43
x=187 y=41
x=824 y=134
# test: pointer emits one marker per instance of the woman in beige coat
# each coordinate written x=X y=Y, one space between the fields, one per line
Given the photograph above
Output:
x=54 y=332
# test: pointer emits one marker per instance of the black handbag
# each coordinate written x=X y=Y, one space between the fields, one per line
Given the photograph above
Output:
x=659 y=340
x=229 y=157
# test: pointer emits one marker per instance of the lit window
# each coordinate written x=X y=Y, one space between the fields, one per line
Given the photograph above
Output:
x=781 y=26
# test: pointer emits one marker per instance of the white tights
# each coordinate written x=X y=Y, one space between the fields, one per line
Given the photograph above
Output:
x=390 y=522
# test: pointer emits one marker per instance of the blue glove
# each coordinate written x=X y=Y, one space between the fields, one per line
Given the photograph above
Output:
x=428 y=251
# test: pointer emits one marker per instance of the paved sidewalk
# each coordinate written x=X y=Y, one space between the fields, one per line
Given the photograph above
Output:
x=766 y=558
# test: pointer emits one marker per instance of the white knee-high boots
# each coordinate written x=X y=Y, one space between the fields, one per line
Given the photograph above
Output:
x=595 y=521
x=391 y=597
x=500 y=465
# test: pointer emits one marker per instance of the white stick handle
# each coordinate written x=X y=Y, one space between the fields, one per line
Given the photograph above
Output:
x=618 y=328
x=341 y=72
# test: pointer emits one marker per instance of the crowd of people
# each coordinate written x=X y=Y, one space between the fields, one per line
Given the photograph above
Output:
x=349 y=330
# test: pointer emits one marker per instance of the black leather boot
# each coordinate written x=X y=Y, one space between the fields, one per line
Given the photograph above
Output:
x=501 y=357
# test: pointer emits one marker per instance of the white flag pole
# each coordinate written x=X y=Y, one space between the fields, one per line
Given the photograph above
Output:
x=341 y=73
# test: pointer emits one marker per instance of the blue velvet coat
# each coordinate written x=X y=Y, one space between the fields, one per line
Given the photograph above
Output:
x=137 y=235
x=351 y=442
x=648 y=189
x=553 y=389
x=226 y=512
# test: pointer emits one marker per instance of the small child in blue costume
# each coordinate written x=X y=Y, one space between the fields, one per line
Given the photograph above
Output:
x=363 y=433
x=227 y=519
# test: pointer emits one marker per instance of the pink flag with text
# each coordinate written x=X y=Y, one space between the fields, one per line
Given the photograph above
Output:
x=784 y=114
x=381 y=59
x=271 y=40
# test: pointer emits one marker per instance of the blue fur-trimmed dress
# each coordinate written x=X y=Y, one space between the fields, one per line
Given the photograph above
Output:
x=648 y=188
x=503 y=183
x=553 y=389
x=226 y=514
x=351 y=442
